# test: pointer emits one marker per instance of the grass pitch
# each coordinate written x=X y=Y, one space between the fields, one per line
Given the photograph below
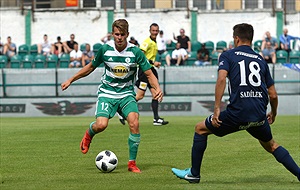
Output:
x=43 y=153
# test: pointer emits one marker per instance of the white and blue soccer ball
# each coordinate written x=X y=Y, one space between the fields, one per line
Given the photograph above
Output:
x=106 y=161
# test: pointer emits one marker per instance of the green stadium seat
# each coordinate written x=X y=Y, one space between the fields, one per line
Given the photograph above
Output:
x=82 y=47
x=96 y=47
x=34 y=49
x=51 y=61
x=257 y=46
x=294 y=56
x=221 y=45
x=192 y=58
x=195 y=46
x=15 y=61
x=170 y=47
x=215 y=58
x=64 y=60
x=28 y=61
x=39 y=61
x=163 y=58
x=3 y=61
x=281 y=56
x=23 y=50
x=210 y=46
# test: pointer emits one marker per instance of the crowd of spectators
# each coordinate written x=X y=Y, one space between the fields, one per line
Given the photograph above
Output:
x=172 y=53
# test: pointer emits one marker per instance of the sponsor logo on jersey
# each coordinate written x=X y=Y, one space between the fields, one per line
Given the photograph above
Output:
x=120 y=70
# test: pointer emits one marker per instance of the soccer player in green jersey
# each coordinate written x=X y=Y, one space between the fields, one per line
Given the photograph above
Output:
x=116 y=90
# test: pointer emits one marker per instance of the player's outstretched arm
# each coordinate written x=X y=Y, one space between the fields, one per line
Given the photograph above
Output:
x=274 y=104
x=82 y=73
x=219 y=91
x=155 y=85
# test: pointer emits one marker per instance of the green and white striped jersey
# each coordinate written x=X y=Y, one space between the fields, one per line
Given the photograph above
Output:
x=120 y=70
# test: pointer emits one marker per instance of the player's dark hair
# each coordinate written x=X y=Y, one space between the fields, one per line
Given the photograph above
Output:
x=153 y=24
x=121 y=24
x=244 y=31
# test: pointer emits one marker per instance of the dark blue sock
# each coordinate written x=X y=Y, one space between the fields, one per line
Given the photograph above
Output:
x=284 y=157
x=199 y=146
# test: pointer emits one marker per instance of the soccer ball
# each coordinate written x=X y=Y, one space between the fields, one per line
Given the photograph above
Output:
x=106 y=161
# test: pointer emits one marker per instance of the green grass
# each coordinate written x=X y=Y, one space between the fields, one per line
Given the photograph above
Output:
x=43 y=153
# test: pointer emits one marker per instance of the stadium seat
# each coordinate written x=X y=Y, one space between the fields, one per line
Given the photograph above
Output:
x=39 y=61
x=221 y=45
x=33 y=50
x=257 y=46
x=215 y=58
x=64 y=60
x=3 y=61
x=96 y=47
x=51 y=61
x=192 y=58
x=15 y=61
x=23 y=50
x=294 y=56
x=82 y=47
x=281 y=56
x=170 y=47
x=210 y=46
x=28 y=61
x=195 y=45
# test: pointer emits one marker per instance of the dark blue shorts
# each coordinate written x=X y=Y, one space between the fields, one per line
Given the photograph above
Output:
x=260 y=130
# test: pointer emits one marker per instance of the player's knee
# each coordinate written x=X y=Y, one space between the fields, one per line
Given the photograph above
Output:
x=201 y=128
x=270 y=146
x=134 y=126
x=100 y=126
x=139 y=97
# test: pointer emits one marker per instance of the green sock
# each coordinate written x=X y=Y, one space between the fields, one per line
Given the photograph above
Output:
x=91 y=131
x=133 y=143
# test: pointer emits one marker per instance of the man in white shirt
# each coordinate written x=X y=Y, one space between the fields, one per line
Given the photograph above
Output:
x=179 y=55
x=162 y=42
x=44 y=47
x=75 y=57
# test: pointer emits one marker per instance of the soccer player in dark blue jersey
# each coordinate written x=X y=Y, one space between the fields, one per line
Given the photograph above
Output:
x=251 y=88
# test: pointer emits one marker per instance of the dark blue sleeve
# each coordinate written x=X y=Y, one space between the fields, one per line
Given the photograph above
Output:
x=224 y=61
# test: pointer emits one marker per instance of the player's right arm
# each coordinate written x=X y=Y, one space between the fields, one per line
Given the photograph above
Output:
x=274 y=104
x=219 y=91
x=155 y=85
x=80 y=74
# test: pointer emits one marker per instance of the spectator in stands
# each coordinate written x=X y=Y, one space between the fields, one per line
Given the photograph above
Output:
x=269 y=53
x=179 y=55
x=87 y=55
x=58 y=48
x=134 y=41
x=106 y=38
x=69 y=45
x=285 y=40
x=10 y=48
x=269 y=38
x=162 y=42
x=44 y=47
x=202 y=56
x=75 y=57
x=1 y=47
x=183 y=40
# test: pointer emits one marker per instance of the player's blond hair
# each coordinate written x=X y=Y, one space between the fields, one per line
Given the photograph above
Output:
x=121 y=24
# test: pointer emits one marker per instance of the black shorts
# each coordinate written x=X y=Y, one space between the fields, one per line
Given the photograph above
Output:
x=260 y=130
x=142 y=83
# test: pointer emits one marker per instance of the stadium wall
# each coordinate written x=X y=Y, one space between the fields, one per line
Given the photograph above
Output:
x=188 y=91
x=90 y=25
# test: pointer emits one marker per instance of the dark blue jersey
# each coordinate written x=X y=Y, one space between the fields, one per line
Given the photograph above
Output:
x=249 y=77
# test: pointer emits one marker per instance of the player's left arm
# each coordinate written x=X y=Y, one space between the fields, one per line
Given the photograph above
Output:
x=155 y=85
x=219 y=91
x=274 y=104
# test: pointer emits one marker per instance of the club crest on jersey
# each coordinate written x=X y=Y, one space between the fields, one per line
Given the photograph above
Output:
x=127 y=60
x=120 y=70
